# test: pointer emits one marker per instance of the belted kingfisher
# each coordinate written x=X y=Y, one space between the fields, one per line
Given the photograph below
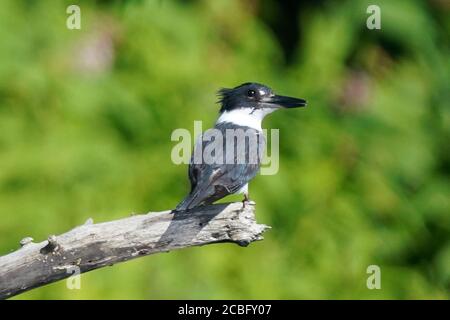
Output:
x=243 y=107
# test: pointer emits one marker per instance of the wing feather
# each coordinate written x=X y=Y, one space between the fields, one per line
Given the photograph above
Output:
x=211 y=182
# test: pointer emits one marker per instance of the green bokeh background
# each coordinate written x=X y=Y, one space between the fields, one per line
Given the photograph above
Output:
x=86 y=118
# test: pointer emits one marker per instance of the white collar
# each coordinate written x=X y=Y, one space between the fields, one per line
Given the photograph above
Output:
x=248 y=117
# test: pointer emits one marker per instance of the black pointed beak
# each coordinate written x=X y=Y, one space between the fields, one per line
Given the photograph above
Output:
x=287 y=102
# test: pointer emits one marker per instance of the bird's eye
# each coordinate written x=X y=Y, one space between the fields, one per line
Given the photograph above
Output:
x=251 y=93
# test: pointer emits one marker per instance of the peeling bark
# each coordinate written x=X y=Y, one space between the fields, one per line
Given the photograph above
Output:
x=92 y=246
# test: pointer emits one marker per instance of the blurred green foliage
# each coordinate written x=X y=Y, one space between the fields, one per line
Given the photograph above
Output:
x=86 y=117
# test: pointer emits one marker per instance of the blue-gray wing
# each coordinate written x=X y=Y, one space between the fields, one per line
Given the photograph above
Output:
x=212 y=179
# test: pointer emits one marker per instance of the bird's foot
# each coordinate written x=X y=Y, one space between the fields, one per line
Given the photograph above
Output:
x=246 y=200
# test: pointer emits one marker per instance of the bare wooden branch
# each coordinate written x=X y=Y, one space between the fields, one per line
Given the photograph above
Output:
x=92 y=246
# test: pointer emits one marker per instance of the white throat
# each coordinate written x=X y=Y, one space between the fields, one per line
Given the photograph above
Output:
x=247 y=117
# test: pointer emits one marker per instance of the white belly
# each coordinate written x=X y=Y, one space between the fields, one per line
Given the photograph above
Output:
x=244 y=189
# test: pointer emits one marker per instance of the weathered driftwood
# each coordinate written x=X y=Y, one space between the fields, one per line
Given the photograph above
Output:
x=92 y=246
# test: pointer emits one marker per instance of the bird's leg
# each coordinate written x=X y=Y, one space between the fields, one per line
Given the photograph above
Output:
x=246 y=199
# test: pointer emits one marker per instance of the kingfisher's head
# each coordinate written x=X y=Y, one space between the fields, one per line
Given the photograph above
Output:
x=255 y=97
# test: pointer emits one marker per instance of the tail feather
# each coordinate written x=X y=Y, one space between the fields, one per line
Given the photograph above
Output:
x=183 y=205
x=190 y=201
